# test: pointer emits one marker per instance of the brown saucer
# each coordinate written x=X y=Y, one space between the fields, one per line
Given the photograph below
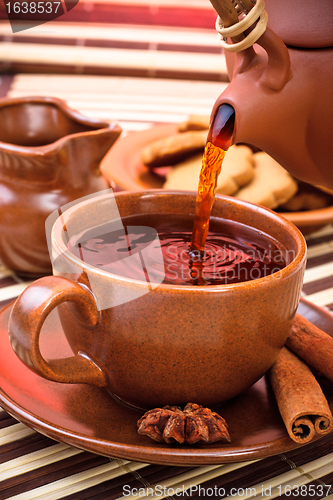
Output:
x=123 y=166
x=88 y=418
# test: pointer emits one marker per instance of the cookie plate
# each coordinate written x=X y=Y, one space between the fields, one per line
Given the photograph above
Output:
x=123 y=168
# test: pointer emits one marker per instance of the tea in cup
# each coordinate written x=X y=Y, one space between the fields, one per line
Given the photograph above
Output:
x=152 y=334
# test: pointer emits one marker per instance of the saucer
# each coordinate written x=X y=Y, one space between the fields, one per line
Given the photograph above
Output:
x=123 y=167
x=90 y=419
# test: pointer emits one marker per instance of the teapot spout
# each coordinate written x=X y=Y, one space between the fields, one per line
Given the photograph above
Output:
x=222 y=126
x=259 y=77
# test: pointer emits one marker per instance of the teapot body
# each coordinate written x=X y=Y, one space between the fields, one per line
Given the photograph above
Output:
x=49 y=156
x=282 y=92
x=301 y=23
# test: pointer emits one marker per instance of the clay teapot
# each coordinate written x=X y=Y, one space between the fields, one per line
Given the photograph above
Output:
x=281 y=88
x=49 y=156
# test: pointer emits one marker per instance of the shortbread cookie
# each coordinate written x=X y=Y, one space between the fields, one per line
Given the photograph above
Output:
x=185 y=175
x=325 y=189
x=307 y=198
x=195 y=122
x=271 y=186
x=173 y=149
x=237 y=170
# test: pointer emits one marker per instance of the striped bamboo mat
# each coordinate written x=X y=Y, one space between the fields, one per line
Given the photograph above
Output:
x=154 y=38
x=35 y=467
x=140 y=63
x=135 y=103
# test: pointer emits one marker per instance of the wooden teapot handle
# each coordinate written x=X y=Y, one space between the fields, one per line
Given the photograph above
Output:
x=228 y=13
x=28 y=315
x=277 y=71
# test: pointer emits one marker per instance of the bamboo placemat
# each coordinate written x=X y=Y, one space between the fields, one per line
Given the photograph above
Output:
x=33 y=466
x=136 y=38
x=135 y=103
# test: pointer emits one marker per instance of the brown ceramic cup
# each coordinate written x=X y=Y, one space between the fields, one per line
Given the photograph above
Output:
x=152 y=345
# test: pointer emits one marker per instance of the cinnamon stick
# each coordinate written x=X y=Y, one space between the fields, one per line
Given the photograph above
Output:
x=301 y=401
x=313 y=345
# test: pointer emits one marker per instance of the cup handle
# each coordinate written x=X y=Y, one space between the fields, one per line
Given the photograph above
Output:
x=26 y=320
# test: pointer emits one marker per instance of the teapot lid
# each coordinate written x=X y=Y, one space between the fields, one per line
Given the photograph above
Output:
x=302 y=23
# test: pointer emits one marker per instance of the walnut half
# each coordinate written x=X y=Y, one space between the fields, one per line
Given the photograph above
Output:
x=194 y=424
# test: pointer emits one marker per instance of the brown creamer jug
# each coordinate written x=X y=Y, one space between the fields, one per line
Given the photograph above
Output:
x=49 y=156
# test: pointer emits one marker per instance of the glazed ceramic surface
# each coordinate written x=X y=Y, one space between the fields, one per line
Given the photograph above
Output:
x=281 y=89
x=86 y=417
x=165 y=344
x=49 y=155
x=301 y=23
